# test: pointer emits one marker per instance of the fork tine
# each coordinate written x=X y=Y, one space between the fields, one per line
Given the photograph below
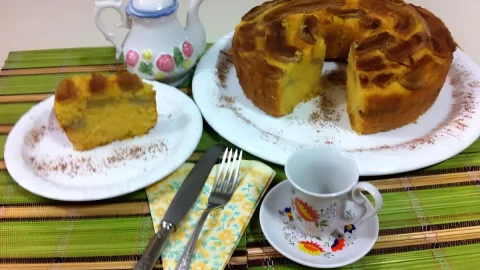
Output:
x=237 y=170
x=230 y=172
x=220 y=170
x=224 y=182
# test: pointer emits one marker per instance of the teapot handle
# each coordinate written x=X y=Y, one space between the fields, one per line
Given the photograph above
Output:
x=124 y=21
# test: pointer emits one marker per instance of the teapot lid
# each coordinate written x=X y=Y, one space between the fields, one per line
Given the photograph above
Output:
x=151 y=8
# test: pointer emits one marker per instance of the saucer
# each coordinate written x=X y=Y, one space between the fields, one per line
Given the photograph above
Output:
x=329 y=252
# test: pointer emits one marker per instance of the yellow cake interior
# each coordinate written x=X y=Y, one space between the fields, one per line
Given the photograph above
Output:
x=302 y=80
x=95 y=110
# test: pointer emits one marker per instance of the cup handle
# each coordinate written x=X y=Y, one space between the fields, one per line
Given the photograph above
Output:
x=124 y=21
x=361 y=203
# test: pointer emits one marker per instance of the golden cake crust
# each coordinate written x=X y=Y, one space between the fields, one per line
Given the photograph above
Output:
x=95 y=110
x=399 y=55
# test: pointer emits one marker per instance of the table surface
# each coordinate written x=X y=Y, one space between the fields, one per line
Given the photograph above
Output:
x=430 y=218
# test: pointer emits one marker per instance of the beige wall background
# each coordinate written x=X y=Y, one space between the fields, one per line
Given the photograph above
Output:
x=42 y=24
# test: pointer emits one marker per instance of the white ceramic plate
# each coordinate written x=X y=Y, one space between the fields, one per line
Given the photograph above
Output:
x=291 y=242
x=41 y=159
x=446 y=129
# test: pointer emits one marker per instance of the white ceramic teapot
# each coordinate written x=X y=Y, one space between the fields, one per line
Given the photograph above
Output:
x=157 y=46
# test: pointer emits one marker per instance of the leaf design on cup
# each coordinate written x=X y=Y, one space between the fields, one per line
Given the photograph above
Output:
x=306 y=211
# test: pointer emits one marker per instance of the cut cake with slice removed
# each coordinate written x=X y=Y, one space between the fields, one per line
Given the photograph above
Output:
x=95 y=110
x=398 y=54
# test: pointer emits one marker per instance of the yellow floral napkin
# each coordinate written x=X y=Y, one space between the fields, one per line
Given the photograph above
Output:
x=223 y=228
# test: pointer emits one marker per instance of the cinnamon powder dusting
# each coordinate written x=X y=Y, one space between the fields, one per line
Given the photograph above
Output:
x=329 y=107
x=35 y=135
x=224 y=64
x=325 y=113
x=459 y=77
x=269 y=135
x=227 y=102
x=474 y=84
x=74 y=166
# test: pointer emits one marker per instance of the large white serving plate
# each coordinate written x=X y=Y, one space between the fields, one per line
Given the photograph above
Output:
x=41 y=159
x=446 y=129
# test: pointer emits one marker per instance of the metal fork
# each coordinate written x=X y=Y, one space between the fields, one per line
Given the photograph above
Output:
x=225 y=185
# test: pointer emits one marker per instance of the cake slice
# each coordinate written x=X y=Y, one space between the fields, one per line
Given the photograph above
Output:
x=95 y=110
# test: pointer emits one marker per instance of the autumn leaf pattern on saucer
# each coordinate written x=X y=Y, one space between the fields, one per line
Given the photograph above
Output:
x=306 y=211
x=314 y=246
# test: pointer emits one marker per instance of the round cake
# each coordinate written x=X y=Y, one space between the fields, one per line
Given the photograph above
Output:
x=398 y=57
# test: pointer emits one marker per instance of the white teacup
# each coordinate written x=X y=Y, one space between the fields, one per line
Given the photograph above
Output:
x=324 y=181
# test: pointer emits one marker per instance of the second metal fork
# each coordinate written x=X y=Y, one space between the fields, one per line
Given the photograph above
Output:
x=225 y=185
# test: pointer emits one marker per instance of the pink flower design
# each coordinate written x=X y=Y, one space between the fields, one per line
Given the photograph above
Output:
x=187 y=49
x=132 y=58
x=166 y=63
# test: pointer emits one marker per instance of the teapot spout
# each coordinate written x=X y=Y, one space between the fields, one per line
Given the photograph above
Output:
x=194 y=28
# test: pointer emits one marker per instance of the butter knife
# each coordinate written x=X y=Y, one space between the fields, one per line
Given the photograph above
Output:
x=180 y=205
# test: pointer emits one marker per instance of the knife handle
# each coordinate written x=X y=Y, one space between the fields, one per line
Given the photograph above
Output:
x=155 y=247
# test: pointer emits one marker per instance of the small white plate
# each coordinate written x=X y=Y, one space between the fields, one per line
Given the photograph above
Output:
x=41 y=159
x=332 y=252
x=450 y=126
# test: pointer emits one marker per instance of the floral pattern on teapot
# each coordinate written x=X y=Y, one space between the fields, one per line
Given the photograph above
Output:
x=163 y=64
x=157 y=46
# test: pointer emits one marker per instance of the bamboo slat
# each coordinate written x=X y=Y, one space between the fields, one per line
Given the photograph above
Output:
x=73 y=266
x=5 y=129
x=72 y=211
x=383 y=242
x=56 y=70
x=429 y=180
x=114 y=265
x=23 y=98
x=76 y=266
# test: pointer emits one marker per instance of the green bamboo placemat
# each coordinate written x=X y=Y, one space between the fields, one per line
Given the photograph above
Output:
x=430 y=223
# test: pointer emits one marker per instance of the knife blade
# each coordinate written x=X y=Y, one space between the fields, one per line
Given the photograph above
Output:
x=180 y=205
